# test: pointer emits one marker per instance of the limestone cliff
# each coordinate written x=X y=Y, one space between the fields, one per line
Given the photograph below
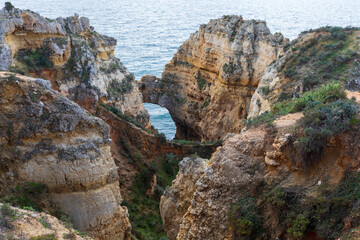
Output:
x=252 y=188
x=208 y=84
x=316 y=56
x=79 y=61
x=45 y=138
x=177 y=199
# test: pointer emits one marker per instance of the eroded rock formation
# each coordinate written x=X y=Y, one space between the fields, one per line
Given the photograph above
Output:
x=46 y=138
x=177 y=199
x=208 y=85
x=79 y=61
x=251 y=187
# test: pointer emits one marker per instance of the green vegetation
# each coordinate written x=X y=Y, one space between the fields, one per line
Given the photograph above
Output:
x=297 y=226
x=11 y=77
x=35 y=60
x=265 y=90
x=7 y=212
x=123 y=116
x=60 y=42
x=202 y=83
x=189 y=142
x=233 y=34
x=16 y=69
x=329 y=56
x=44 y=237
x=185 y=64
x=276 y=197
x=321 y=95
x=9 y=6
x=26 y=195
x=229 y=68
x=326 y=112
x=244 y=218
x=116 y=89
x=144 y=209
x=298 y=214
x=167 y=79
x=44 y=222
x=321 y=122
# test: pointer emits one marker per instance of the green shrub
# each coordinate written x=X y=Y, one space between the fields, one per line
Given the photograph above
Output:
x=325 y=57
x=265 y=90
x=328 y=211
x=9 y=6
x=7 y=212
x=44 y=222
x=44 y=237
x=297 y=226
x=244 y=218
x=202 y=83
x=324 y=94
x=143 y=209
x=266 y=117
x=289 y=73
x=35 y=60
x=321 y=122
x=276 y=197
x=116 y=88
x=16 y=69
x=26 y=195
x=229 y=68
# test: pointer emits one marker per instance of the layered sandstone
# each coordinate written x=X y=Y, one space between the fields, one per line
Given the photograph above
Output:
x=177 y=199
x=208 y=85
x=79 y=61
x=254 y=173
x=45 y=138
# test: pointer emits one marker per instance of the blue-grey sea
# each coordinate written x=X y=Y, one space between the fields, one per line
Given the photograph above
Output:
x=148 y=32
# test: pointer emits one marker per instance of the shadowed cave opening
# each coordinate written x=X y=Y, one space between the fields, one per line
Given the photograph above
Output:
x=160 y=118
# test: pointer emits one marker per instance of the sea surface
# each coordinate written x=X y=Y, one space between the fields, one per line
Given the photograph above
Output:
x=149 y=32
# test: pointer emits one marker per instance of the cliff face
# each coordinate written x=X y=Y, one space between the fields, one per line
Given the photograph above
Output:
x=79 y=61
x=177 y=199
x=208 y=84
x=45 y=138
x=315 y=57
x=252 y=188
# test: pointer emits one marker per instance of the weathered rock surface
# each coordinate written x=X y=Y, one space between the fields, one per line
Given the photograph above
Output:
x=46 y=138
x=208 y=85
x=29 y=224
x=177 y=199
x=79 y=61
x=247 y=170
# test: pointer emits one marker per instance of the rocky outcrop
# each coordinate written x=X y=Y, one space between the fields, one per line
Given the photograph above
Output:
x=315 y=57
x=17 y=223
x=252 y=189
x=177 y=199
x=208 y=85
x=45 y=138
x=79 y=61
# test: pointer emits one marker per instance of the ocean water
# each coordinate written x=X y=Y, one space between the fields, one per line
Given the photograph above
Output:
x=149 y=32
